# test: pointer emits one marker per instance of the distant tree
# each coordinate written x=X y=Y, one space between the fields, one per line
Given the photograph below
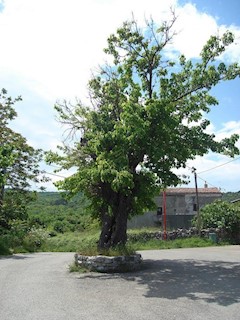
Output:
x=18 y=165
x=146 y=119
x=230 y=196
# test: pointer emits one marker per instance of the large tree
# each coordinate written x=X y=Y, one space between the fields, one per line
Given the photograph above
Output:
x=145 y=119
x=19 y=165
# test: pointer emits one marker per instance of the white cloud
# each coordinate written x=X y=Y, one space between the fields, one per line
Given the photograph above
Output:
x=194 y=28
x=50 y=47
x=54 y=44
x=216 y=169
x=232 y=54
x=229 y=128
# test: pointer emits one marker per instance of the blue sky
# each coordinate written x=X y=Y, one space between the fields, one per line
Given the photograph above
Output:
x=49 y=49
x=226 y=12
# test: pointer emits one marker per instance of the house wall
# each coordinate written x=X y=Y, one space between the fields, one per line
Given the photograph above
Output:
x=180 y=211
x=184 y=204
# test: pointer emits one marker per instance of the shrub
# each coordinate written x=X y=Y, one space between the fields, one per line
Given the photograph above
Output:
x=17 y=233
x=34 y=239
x=4 y=247
x=222 y=215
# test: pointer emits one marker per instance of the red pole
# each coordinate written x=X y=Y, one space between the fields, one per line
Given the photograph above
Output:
x=164 y=216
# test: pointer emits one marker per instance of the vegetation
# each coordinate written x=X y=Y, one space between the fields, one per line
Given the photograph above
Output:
x=86 y=243
x=146 y=119
x=222 y=215
x=230 y=196
x=193 y=242
x=57 y=215
x=18 y=166
x=47 y=216
x=78 y=233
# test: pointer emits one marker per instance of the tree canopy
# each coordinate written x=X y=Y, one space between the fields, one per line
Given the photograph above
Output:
x=145 y=120
x=19 y=165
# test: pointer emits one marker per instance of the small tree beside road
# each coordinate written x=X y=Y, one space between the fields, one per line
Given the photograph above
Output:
x=19 y=166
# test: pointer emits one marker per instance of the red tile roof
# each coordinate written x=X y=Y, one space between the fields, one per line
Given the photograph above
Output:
x=192 y=190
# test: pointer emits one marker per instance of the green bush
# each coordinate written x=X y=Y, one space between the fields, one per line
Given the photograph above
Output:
x=34 y=239
x=4 y=247
x=22 y=238
x=222 y=215
x=17 y=233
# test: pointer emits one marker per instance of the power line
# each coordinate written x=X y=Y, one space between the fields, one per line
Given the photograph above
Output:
x=220 y=165
x=206 y=181
x=191 y=168
x=51 y=165
x=54 y=174
x=223 y=164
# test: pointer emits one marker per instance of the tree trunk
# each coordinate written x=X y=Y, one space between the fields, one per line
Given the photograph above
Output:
x=106 y=232
x=119 y=234
x=1 y=195
x=3 y=222
x=114 y=227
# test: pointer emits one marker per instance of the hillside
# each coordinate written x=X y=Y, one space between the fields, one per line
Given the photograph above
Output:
x=52 y=211
x=229 y=196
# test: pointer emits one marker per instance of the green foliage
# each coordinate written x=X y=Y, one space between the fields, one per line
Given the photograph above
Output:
x=4 y=247
x=73 y=242
x=146 y=120
x=18 y=166
x=56 y=214
x=76 y=268
x=35 y=239
x=23 y=238
x=14 y=206
x=47 y=216
x=120 y=250
x=86 y=243
x=152 y=244
x=230 y=196
x=223 y=215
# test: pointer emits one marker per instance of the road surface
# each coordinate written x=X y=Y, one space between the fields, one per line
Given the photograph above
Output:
x=202 y=283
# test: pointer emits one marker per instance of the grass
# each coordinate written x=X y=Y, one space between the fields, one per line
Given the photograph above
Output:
x=173 y=244
x=86 y=243
x=73 y=242
x=74 y=268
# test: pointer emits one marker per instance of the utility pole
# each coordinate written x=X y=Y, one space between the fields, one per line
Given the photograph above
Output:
x=197 y=199
x=164 y=215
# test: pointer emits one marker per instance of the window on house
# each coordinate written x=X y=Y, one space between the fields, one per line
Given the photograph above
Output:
x=159 y=211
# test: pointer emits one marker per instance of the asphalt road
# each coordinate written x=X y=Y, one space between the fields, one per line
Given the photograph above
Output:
x=201 y=283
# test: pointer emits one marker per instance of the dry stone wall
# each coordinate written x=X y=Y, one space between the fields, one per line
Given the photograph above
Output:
x=177 y=234
x=109 y=264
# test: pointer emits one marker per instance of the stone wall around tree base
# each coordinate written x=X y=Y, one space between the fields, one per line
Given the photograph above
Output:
x=109 y=264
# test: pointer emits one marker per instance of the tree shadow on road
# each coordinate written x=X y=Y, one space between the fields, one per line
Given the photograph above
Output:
x=217 y=281
x=212 y=282
x=16 y=256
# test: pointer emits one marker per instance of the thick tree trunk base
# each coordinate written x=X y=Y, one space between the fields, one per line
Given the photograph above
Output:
x=114 y=232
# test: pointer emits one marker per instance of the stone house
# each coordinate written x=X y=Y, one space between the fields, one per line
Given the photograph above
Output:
x=181 y=207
